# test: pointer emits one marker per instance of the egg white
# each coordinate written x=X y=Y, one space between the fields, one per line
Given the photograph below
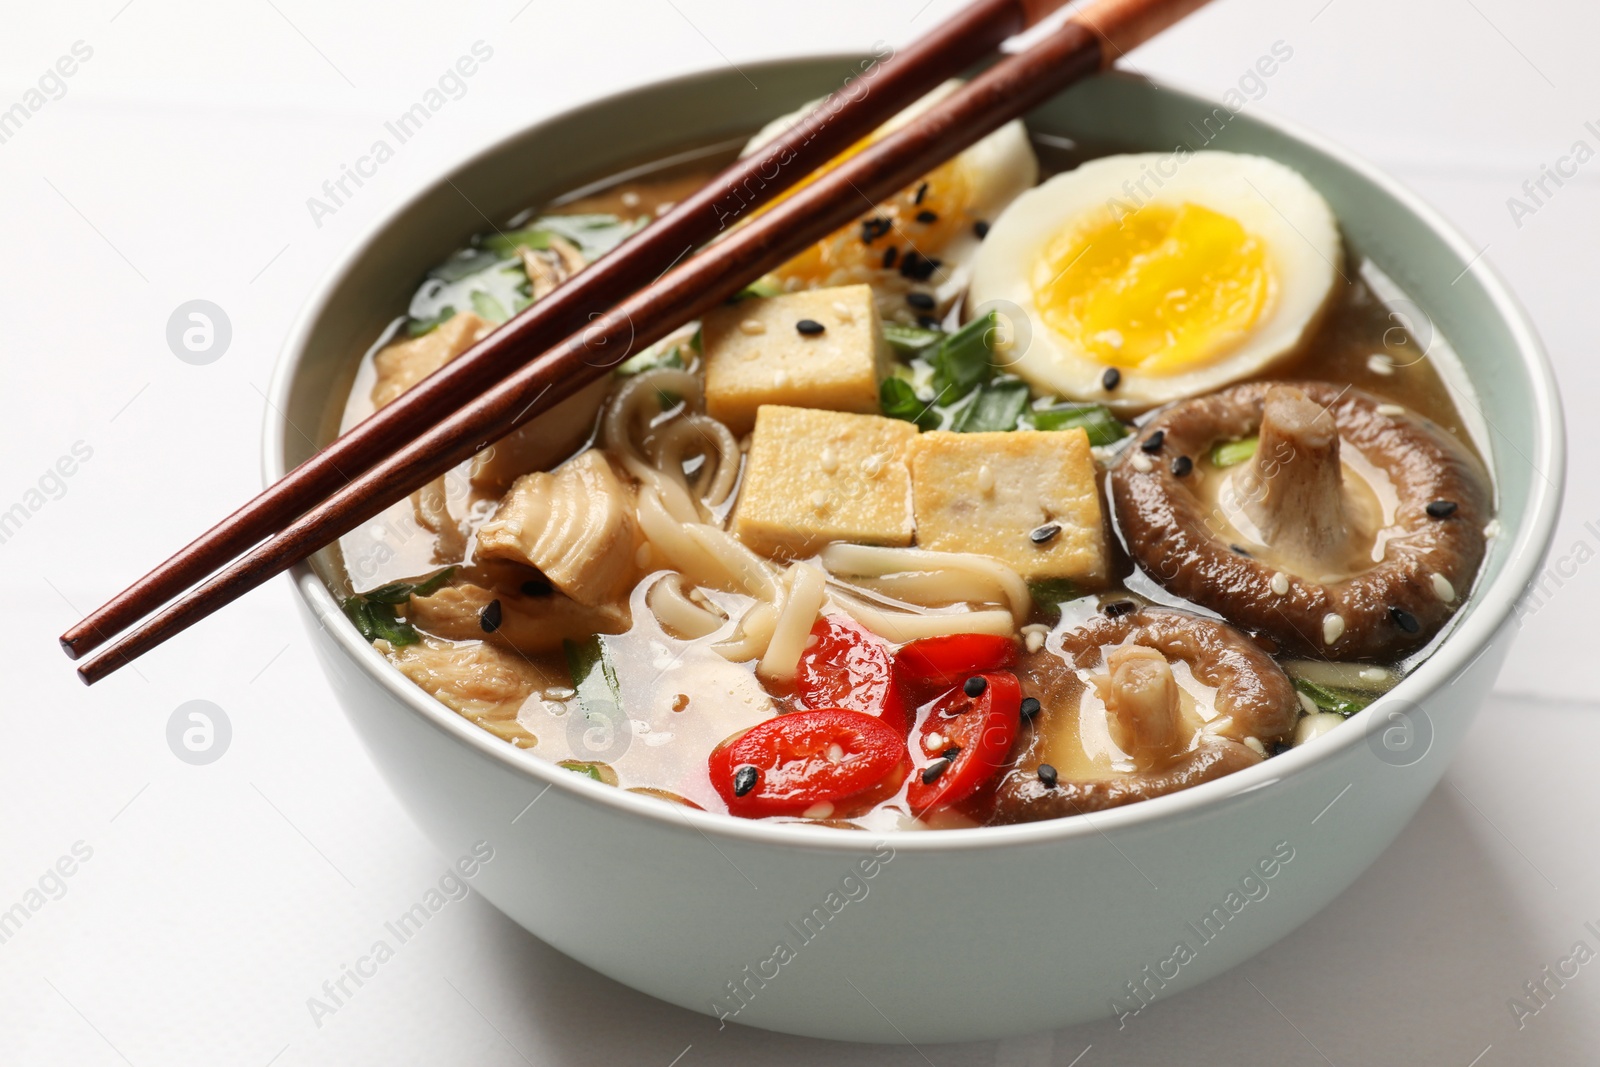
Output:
x=1272 y=202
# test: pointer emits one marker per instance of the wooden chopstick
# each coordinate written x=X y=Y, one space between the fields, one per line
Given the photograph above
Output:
x=686 y=292
x=889 y=86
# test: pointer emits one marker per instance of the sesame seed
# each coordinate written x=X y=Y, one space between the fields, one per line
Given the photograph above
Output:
x=874 y=228
x=1240 y=550
x=924 y=301
x=1118 y=608
x=489 y=618
x=1391 y=410
x=980 y=228
x=536 y=587
x=836 y=753
x=927 y=216
x=951 y=753
x=822 y=809
x=889 y=256
x=932 y=771
x=1154 y=441
x=1279 y=583
x=1030 y=707
x=1374 y=674
x=985 y=479
x=744 y=780
x=809 y=327
x=1110 y=379
x=828 y=459
x=933 y=742
x=918 y=267
x=1033 y=642
x=1405 y=620
x=1332 y=628
x=1182 y=465
x=1043 y=535
x=1441 y=509
x=872 y=466
x=1047 y=775
x=819 y=500
x=1442 y=588
x=975 y=685
x=1380 y=364
x=752 y=327
x=1254 y=745
x=922 y=191
x=1141 y=463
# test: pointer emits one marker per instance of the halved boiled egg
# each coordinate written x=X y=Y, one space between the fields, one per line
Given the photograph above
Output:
x=924 y=237
x=1182 y=273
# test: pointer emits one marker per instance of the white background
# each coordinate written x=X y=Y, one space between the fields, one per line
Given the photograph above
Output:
x=217 y=899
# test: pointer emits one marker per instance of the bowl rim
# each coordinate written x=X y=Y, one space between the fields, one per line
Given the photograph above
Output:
x=1470 y=638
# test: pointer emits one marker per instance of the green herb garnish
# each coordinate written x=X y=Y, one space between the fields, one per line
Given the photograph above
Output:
x=1335 y=698
x=1229 y=453
x=373 y=612
x=995 y=406
x=965 y=359
x=418 y=327
x=900 y=401
x=1050 y=593
x=594 y=676
x=909 y=340
x=763 y=286
x=1095 y=420
x=488 y=307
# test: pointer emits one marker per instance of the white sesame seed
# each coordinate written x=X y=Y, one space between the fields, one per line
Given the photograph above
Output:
x=872 y=466
x=1378 y=363
x=1280 y=583
x=1308 y=705
x=1374 y=674
x=780 y=379
x=1033 y=642
x=752 y=327
x=1254 y=745
x=985 y=479
x=829 y=459
x=1391 y=410
x=934 y=742
x=819 y=500
x=820 y=810
x=1443 y=589
x=846 y=314
x=1036 y=628
x=1141 y=463
x=560 y=692
x=1491 y=530
x=835 y=753
x=630 y=199
x=1332 y=628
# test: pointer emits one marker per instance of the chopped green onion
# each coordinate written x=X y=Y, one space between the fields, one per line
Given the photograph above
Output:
x=653 y=359
x=909 y=340
x=1335 y=698
x=488 y=308
x=600 y=772
x=428 y=586
x=763 y=286
x=899 y=401
x=995 y=406
x=1050 y=593
x=1229 y=453
x=419 y=327
x=464 y=263
x=595 y=678
x=1095 y=420
x=965 y=359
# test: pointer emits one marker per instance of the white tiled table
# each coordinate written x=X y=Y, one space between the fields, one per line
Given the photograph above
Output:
x=215 y=900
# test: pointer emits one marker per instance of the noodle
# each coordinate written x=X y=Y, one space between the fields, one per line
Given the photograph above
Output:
x=677 y=614
x=808 y=589
x=902 y=626
x=940 y=577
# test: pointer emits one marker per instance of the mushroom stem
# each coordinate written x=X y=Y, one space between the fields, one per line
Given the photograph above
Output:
x=1141 y=698
x=1293 y=487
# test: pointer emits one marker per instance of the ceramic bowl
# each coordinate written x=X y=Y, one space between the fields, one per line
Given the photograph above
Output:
x=955 y=935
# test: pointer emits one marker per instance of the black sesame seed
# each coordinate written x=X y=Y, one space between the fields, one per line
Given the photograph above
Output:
x=1241 y=550
x=1153 y=442
x=1110 y=379
x=922 y=191
x=874 y=228
x=1030 y=707
x=951 y=753
x=809 y=327
x=536 y=587
x=927 y=216
x=918 y=267
x=1441 y=509
x=932 y=771
x=975 y=685
x=1182 y=465
x=924 y=301
x=1043 y=535
x=1047 y=775
x=1405 y=620
x=744 y=780
x=890 y=254
x=1118 y=608
x=980 y=228
x=927 y=322
x=489 y=618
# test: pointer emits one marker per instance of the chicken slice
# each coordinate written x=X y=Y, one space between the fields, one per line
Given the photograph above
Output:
x=542 y=443
x=479 y=681
x=530 y=625
x=405 y=363
x=577 y=526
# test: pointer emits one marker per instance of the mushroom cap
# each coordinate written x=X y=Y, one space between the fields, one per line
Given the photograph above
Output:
x=1252 y=692
x=1384 y=612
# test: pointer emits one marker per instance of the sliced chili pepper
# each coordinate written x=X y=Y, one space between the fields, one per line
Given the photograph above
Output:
x=789 y=764
x=974 y=737
x=846 y=667
x=938 y=663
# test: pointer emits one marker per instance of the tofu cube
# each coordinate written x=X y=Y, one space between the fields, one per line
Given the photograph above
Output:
x=999 y=494
x=814 y=477
x=754 y=355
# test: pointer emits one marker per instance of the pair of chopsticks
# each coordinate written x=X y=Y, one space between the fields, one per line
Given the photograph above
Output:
x=628 y=300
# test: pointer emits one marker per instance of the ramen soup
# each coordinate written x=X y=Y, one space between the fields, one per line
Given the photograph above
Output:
x=1013 y=500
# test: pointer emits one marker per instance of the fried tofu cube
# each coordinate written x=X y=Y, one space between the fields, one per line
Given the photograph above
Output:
x=755 y=354
x=814 y=477
x=1025 y=497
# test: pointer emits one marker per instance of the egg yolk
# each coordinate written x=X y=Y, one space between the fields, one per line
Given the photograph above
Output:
x=1162 y=290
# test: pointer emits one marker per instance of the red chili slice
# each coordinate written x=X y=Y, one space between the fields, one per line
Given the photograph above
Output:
x=846 y=667
x=979 y=725
x=942 y=662
x=789 y=764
